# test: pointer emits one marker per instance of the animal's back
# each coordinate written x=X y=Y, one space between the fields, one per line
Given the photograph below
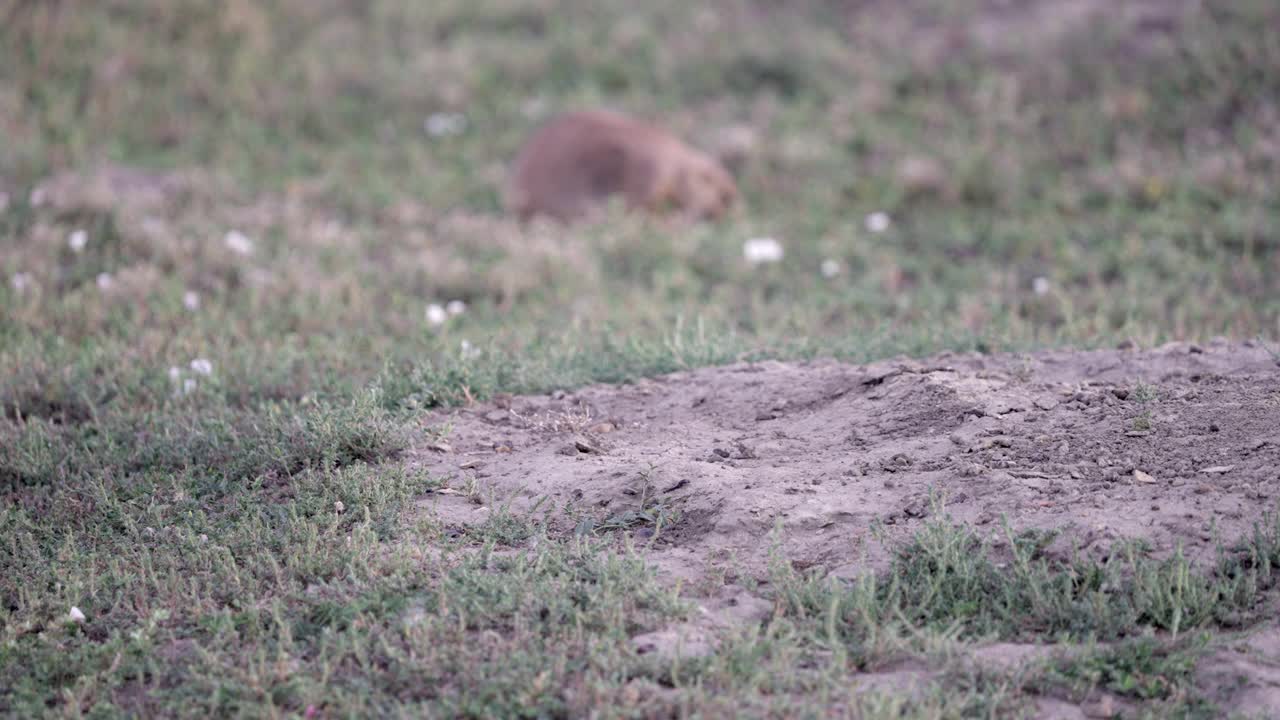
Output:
x=577 y=160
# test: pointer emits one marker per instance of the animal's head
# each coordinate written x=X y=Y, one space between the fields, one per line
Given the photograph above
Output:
x=705 y=190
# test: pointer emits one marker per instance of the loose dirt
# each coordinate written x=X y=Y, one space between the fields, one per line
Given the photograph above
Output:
x=833 y=463
x=1179 y=446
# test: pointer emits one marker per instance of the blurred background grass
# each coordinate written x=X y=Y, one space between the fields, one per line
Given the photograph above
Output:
x=1051 y=174
x=284 y=188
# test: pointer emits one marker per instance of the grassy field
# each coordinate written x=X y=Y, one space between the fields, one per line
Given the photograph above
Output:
x=208 y=369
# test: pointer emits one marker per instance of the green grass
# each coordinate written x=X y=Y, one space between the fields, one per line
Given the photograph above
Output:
x=243 y=607
x=949 y=579
x=1142 y=669
x=198 y=527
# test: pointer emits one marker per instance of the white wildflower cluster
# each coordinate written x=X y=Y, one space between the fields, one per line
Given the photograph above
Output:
x=443 y=124
x=534 y=107
x=762 y=251
x=1040 y=285
x=467 y=351
x=104 y=281
x=184 y=384
x=201 y=366
x=877 y=222
x=77 y=240
x=191 y=300
x=438 y=314
x=768 y=250
x=21 y=282
x=238 y=242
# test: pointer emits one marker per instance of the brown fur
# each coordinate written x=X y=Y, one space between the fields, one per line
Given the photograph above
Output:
x=575 y=163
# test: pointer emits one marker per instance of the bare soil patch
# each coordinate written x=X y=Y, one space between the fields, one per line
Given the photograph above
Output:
x=1178 y=446
x=834 y=464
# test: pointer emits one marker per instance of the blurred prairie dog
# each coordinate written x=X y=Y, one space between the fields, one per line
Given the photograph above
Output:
x=573 y=165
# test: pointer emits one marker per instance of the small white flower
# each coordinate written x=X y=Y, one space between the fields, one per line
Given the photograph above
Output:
x=338 y=507
x=436 y=315
x=77 y=240
x=443 y=124
x=175 y=374
x=37 y=197
x=877 y=222
x=203 y=538
x=4 y=201
x=21 y=282
x=238 y=242
x=105 y=281
x=1040 y=286
x=76 y=615
x=533 y=107
x=468 y=351
x=191 y=300
x=189 y=386
x=762 y=250
x=829 y=268
x=455 y=307
x=201 y=366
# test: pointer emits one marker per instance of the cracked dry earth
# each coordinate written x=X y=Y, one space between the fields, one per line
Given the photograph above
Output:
x=1179 y=445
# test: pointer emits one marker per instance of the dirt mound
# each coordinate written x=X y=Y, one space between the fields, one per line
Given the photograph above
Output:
x=1179 y=446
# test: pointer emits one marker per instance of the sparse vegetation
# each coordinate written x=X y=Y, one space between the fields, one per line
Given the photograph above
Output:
x=949 y=580
x=1143 y=668
x=202 y=399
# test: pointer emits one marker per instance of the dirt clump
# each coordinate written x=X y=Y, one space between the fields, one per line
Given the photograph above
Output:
x=1179 y=446
x=714 y=473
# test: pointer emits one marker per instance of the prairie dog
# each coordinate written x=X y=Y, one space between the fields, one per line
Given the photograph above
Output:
x=575 y=163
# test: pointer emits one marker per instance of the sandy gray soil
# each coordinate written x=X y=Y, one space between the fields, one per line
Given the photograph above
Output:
x=1179 y=446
